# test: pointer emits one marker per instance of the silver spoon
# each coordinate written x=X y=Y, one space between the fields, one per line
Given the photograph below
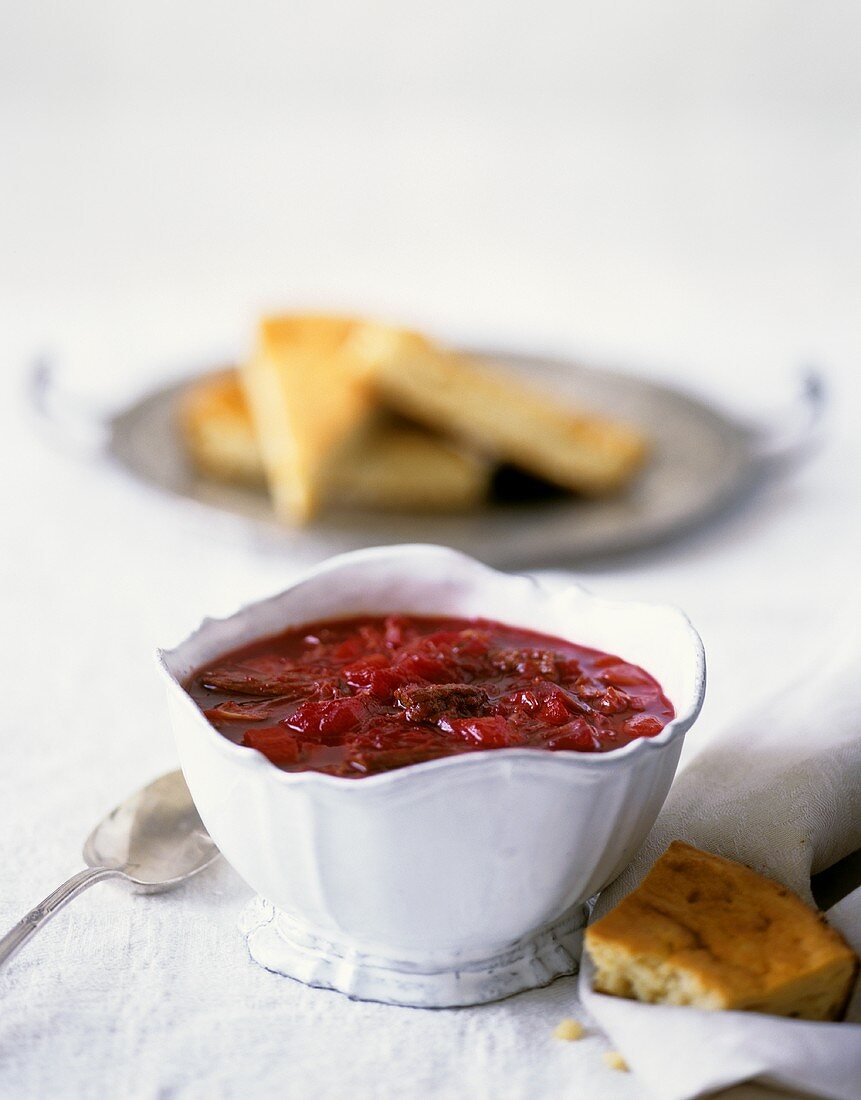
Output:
x=154 y=840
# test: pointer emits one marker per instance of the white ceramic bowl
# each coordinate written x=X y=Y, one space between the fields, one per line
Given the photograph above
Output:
x=458 y=880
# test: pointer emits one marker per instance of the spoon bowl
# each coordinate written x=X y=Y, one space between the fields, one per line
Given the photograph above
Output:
x=155 y=837
x=154 y=840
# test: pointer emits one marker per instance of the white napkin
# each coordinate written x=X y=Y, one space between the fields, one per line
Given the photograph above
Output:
x=780 y=791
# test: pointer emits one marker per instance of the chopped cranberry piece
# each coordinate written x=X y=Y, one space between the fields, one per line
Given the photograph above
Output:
x=556 y=708
x=375 y=675
x=384 y=684
x=349 y=649
x=360 y=673
x=613 y=701
x=624 y=676
x=330 y=718
x=643 y=725
x=491 y=733
x=587 y=689
x=577 y=736
x=416 y=666
x=525 y=701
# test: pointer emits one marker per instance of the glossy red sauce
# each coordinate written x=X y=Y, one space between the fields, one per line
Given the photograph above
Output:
x=366 y=695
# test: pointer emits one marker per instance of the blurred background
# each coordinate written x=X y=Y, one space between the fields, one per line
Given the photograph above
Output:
x=670 y=185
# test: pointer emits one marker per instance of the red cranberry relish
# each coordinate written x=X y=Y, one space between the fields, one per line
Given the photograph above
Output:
x=366 y=695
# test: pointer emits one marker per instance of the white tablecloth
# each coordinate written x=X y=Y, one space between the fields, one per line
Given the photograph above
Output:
x=155 y=996
x=657 y=189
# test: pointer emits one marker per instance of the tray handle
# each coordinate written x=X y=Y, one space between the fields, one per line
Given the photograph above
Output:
x=69 y=420
x=796 y=430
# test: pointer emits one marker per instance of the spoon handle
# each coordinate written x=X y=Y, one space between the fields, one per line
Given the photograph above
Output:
x=39 y=916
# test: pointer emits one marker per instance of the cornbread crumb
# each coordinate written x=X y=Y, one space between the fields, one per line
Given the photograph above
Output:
x=614 y=1060
x=568 y=1029
x=705 y=931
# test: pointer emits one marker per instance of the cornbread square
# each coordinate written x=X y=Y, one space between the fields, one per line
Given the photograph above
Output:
x=705 y=931
x=484 y=406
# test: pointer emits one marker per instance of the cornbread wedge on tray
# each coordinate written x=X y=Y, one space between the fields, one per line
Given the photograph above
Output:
x=404 y=469
x=392 y=467
x=465 y=397
x=306 y=404
x=219 y=432
x=337 y=410
x=705 y=931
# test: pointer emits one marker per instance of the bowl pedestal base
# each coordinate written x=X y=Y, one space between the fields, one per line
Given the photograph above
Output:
x=283 y=945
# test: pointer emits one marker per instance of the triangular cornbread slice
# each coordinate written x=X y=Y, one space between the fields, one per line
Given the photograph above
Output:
x=218 y=431
x=705 y=931
x=462 y=396
x=306 y=404
x=391 y=467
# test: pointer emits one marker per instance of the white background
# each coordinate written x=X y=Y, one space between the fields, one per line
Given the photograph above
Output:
x=671 y=186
